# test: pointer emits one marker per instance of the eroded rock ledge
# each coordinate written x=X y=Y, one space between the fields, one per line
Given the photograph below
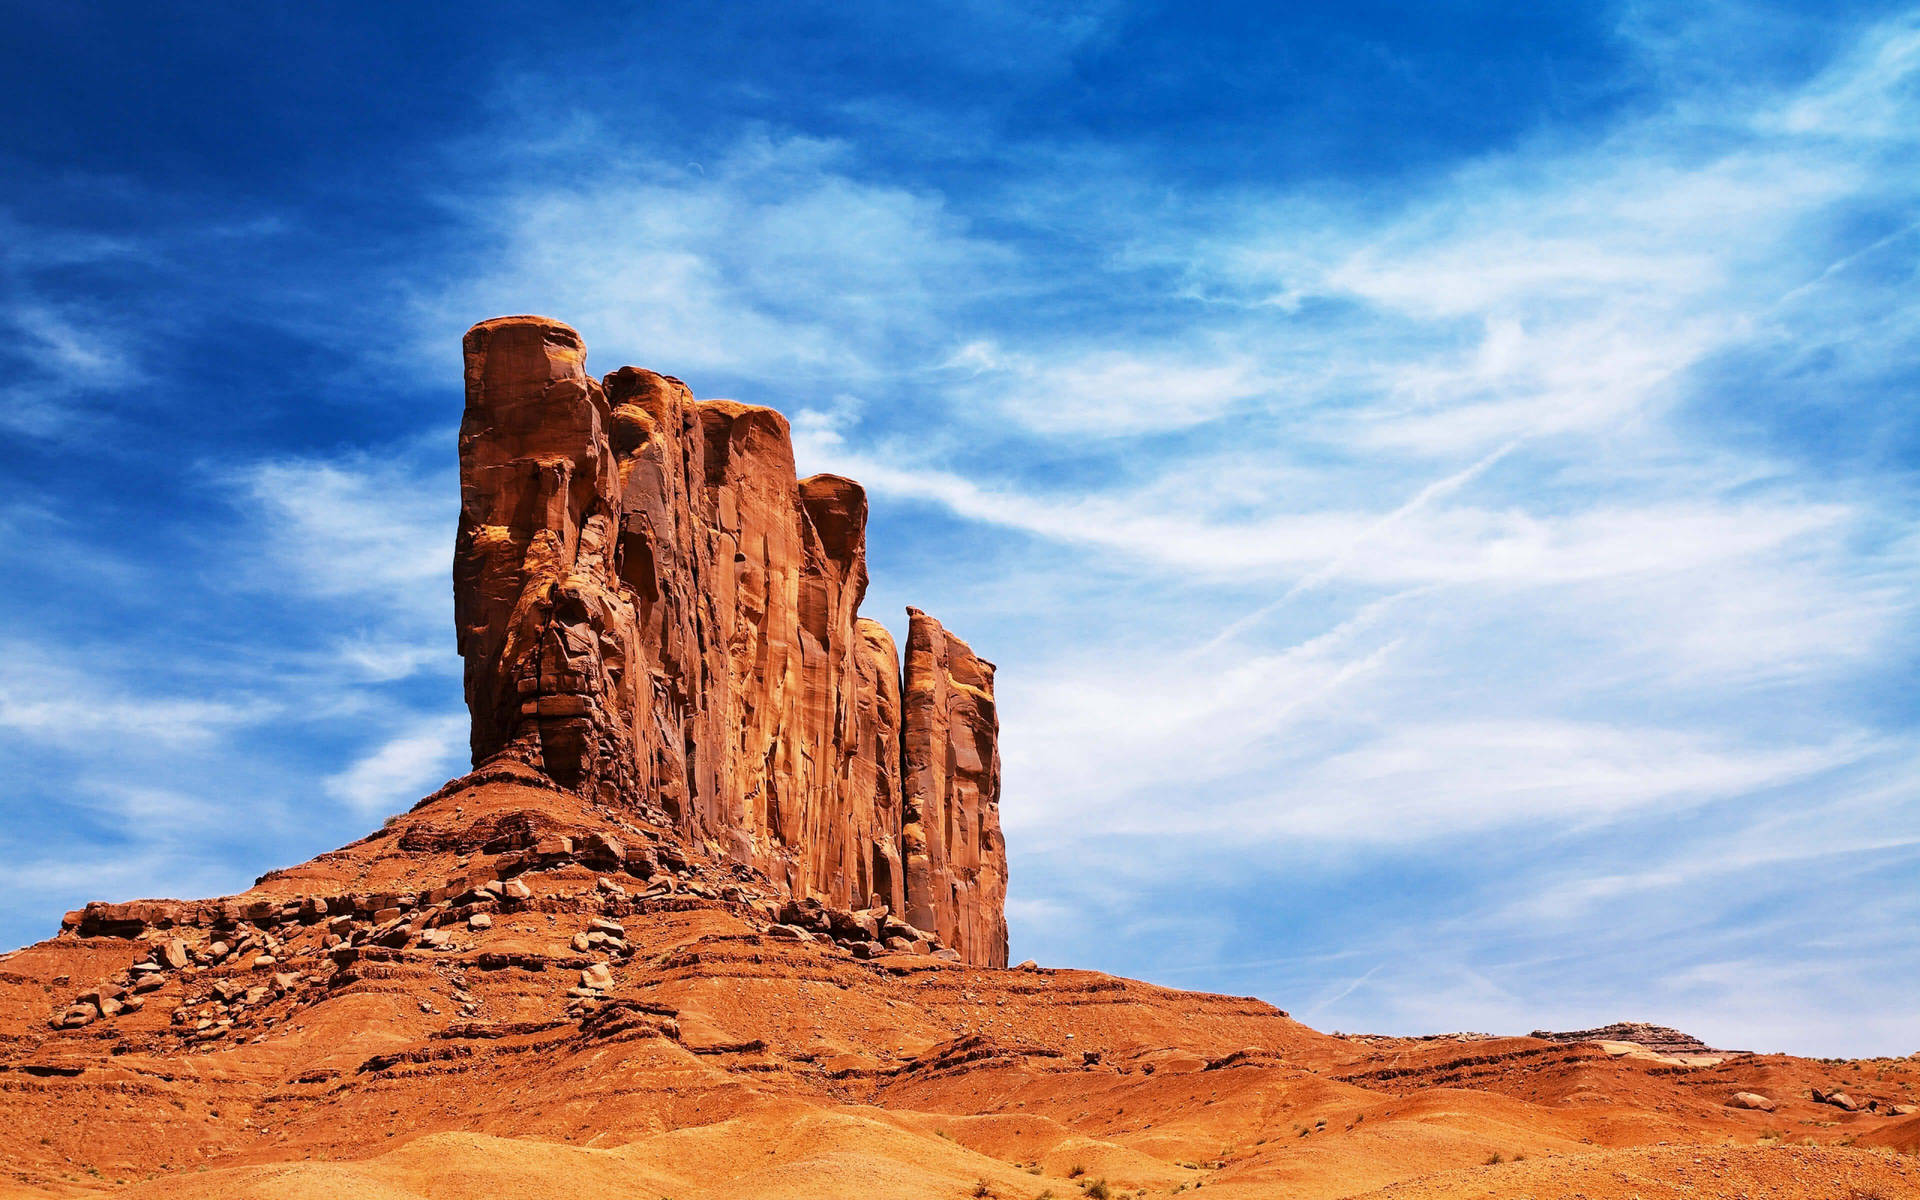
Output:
x=655 y=612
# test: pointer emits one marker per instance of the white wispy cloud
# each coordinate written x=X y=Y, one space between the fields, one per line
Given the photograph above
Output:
x=1866 y=95
x=60 y=347
x=376 y=527
x=1168 y=524
x=404 y=767
x=770 y=260
x=77 y=700
x=1095 y=392
x=1447 y=778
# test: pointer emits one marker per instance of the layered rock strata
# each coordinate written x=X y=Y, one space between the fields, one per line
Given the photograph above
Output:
x=655 y=612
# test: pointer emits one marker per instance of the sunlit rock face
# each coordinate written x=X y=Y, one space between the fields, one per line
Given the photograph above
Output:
x=956 y=859
x=655 y=612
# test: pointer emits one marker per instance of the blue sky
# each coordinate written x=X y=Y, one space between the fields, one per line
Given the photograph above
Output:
x=1439 y=480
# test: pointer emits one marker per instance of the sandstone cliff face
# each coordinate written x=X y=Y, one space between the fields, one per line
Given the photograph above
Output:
x=956 y=859
x=656 y=612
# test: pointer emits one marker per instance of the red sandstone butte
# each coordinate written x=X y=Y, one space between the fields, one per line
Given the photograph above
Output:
x=655 y=612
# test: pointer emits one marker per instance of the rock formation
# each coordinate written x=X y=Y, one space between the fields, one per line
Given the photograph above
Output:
x=956 y=866
x=655 y=612
x=1658 y=1038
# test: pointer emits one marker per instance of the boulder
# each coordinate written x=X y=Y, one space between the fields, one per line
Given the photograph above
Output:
x=862 y=926
x=641 y=863
x=77 y=1015
x=602 y=851
x=599 y=976
x=806 y=912
x=1752 y=1100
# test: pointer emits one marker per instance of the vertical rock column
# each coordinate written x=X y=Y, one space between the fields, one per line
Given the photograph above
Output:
x=956 y=882
x=843 y=809
x=873 y=769
x=540 y=618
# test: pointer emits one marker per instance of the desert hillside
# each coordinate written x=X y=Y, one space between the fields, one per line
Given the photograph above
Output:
x=555 y=999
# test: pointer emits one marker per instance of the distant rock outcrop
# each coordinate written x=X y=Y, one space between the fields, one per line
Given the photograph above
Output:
x=1657 y=1038
x=655 y=612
